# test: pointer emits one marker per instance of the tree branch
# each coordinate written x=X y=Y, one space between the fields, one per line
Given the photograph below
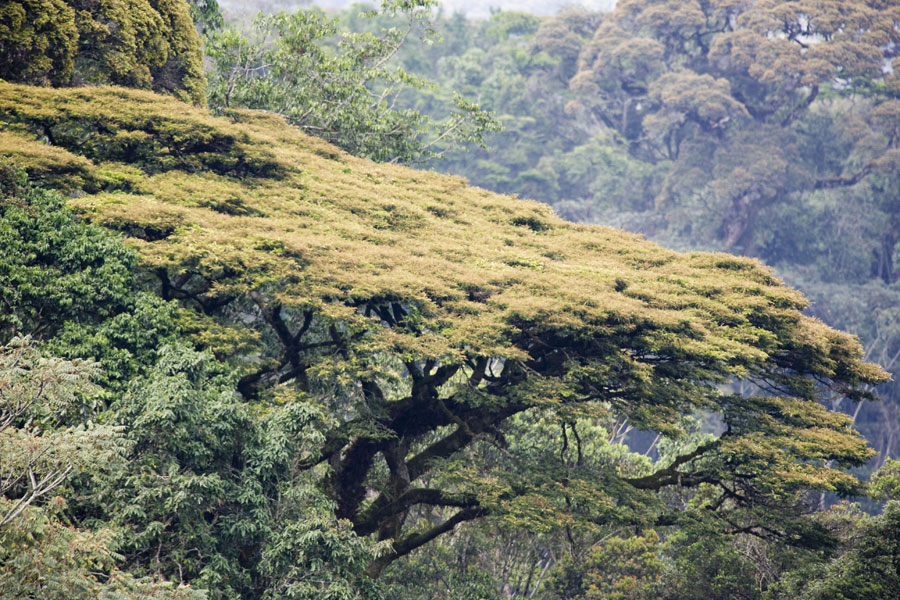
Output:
x=370 y=519
x=842 y=181
x=671 y=475
x=412 y=541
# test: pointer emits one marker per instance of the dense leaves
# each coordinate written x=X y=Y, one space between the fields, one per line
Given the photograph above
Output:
x=41 y=554
x=706 y=125
x=149 y=44
x=431 y=362
x=55 y=269
x=314 y=376
x=177 y=441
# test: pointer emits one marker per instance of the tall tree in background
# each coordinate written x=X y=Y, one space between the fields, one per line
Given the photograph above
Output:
x=718 y=89
x=339 y=86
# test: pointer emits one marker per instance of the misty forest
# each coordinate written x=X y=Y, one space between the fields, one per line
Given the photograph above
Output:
x=404 y=301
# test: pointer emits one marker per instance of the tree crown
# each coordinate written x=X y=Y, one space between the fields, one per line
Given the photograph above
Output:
x=427 y=313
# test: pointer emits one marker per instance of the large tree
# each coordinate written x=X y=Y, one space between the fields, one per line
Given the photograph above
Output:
x=427 y=323
x=735 y=137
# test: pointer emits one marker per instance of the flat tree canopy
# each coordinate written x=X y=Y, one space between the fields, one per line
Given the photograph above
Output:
x=429 y=319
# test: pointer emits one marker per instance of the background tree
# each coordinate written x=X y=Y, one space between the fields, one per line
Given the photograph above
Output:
x=207 y=15
x=339 y=86
x=150 y=44
x=865 y=565
x=615 y=569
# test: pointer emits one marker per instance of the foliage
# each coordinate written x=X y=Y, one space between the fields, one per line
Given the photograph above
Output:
x=74 y=286
x=615 y=569
x=207 y=15
x=885 y=482
x=426 y=328
x=186 y=431
x=247 y=524
x=318 y=377
x=866 y=565
x=447 y=570
x=344 y=91
x=706 y=125
x=314 y=556
x=55 y=269
x=149 y=44
x=38 y=41
x=37 y=458
x=41 y=556
x=178 y=431
x=702 y=563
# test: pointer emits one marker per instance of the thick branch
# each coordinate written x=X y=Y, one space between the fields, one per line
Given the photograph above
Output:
x=370 y=520
x=404 y=546
x=843 y=181
x=461 y=436
x=813 y=93
x=671 y=475
x=347 y=480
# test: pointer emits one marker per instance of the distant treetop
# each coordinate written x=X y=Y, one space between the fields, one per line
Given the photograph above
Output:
x=148 y=44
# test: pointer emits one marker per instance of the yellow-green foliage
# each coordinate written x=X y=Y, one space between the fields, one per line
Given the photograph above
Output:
x=38 y=40
x=249 y=203
x=149 y=44
x=393 y=297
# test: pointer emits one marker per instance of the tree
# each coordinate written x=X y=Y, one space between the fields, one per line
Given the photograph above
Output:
x=150 y=44
x=34 y=390
x=37 y=41
x=155 y=494
x=696 y=162
x=769 y=122
x=720 y=85
x=41 y=556
x=206 y=15
x=51 y=263
x=865 y=565
x=73 y=287
x=615 y=569
x=344 y=91
x=424 y=318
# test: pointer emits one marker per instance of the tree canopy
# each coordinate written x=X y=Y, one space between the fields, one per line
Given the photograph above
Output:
x=720 y=85
x=149 y=44
x=423 y=325
x=807 y=185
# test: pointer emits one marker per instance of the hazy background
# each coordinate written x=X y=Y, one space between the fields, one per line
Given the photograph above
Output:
x=471 y=8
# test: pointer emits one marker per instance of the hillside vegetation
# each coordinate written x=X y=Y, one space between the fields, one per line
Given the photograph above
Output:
x=428 y=341
x=238 y=362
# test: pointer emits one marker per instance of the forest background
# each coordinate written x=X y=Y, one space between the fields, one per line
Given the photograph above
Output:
x=302 y=374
